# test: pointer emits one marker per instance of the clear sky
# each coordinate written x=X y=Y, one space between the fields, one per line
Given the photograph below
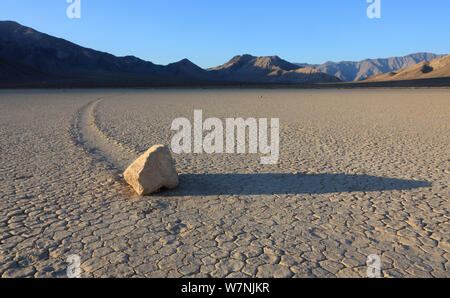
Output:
x=210 y=32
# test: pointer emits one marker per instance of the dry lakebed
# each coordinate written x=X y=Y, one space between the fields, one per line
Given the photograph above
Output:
x=360 y=172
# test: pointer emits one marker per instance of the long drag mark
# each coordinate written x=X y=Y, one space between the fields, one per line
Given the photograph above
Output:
x=102 y=148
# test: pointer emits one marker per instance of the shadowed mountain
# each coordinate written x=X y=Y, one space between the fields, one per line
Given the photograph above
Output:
x=271 y=69
x=11 y=72
x=349 y=71
x=437 y=68
x=29 y=58
x=67 y=61
x=66 y=64
x=187 y=68
x=54 y=55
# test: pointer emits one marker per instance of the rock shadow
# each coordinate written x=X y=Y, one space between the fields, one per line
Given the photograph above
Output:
x=279 y=183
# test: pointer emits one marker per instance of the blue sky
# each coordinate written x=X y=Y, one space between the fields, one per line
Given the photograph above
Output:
x=210 y=32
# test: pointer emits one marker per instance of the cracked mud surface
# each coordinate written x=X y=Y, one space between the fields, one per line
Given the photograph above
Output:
x=361 y=172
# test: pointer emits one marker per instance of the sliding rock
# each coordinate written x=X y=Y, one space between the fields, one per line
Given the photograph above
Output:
x=152 y=170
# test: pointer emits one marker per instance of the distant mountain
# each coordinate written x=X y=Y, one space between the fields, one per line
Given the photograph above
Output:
x=11 y=72
x=53 y=55
x=31 y=58
x=58 y=58
x=349 y=71
x=270 y=69
x=187 y=68
x=437 y=68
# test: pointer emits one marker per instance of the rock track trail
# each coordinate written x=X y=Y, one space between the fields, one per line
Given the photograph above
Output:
x=102 y=147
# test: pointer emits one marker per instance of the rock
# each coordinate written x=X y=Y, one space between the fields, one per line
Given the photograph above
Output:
x=152 y=170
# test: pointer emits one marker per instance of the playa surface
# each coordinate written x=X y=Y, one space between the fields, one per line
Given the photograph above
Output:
x=361 y=172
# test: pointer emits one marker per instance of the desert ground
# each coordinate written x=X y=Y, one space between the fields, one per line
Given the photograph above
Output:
x=361 y=172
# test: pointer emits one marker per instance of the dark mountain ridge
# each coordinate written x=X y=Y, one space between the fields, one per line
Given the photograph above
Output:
x=29 y=58
x=65 y=62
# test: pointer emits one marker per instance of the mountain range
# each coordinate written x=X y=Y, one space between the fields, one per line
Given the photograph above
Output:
x=35 y=54
x=273 y=69
x=29 y=58
x=437 y=68
x=349 y=71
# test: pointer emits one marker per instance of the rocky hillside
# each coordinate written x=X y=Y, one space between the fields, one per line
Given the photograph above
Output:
x=349 y=71
x=437 y=68
x=269 y=69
